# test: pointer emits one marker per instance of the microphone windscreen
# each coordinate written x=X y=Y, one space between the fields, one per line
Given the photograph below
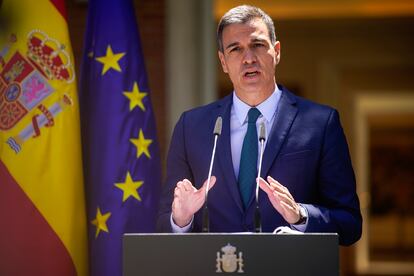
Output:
x=262 y=132
x=218 y=125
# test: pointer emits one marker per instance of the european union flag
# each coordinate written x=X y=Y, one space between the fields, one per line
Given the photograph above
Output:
x=121 y=155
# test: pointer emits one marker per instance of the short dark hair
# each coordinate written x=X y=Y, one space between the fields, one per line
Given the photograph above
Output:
x=241 y=15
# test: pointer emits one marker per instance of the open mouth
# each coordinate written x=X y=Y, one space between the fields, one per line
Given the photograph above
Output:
x=251 y=74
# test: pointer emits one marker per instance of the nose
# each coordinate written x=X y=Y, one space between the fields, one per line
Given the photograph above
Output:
x=249 y=57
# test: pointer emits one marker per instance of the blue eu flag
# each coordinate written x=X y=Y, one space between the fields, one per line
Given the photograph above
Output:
x=120 y=150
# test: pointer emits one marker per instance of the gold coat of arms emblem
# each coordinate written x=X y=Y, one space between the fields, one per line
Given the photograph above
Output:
x=27 y=80
x=228 y=262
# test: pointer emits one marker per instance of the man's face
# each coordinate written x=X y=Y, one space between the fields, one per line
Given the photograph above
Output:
x=249 y=58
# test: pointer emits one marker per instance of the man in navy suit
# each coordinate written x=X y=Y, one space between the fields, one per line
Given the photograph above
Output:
x=308 y=183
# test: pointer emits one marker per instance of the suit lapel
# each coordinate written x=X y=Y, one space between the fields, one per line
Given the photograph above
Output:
x=285 y=116
x=224 y=152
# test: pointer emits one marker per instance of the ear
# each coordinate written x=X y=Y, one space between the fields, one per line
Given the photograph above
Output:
x=277 y=51
x=223 y=62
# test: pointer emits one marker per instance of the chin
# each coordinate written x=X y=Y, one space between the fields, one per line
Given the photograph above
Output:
x=251 y=90
x=252 y=87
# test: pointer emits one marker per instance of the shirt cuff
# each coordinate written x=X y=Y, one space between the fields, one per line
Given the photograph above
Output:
x=177 y=229
x=301 y=227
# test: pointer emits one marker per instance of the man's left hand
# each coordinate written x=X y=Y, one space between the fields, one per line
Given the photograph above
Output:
x=281 y=199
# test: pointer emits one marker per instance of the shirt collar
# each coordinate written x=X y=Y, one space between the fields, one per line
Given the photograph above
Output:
x=266 y=108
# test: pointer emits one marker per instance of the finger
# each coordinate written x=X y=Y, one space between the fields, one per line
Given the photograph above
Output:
x=291 y=214
x=187 y=182
x=212 y=182
x=180 y=185
x=285 y=198
x=275 y=184
x=276 y=202
x=294 y=208
x=188 y=187
x=265 y=186
x=177 y=191
x=279 y=187
x=287 y=207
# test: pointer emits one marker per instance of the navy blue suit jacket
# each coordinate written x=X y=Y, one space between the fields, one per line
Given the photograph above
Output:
x=306 y=151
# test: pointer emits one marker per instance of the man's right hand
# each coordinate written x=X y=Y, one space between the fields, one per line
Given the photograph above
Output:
x=188 y=200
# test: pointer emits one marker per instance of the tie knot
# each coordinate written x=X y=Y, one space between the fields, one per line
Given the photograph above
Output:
x=253 y=114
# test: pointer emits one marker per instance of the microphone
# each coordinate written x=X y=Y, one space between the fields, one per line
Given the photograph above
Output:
x=262 y=139
x=216 y=133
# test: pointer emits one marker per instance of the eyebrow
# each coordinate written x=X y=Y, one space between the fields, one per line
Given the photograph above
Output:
x=258 y=40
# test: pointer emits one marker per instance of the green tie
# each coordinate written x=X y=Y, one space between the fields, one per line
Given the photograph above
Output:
x=248 y=159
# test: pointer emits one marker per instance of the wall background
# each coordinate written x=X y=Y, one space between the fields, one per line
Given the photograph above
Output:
x=356 y=56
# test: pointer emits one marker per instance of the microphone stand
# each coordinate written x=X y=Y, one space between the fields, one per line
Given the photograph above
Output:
x=217 y=132
x=262 y=138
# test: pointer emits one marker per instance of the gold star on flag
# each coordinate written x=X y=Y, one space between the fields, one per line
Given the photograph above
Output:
x=142 y=144
x=100 y=222
x=130 y=187
x=135 y=97
x=110 y=60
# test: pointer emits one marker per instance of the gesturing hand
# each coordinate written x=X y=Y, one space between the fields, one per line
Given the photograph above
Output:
x=188 y=200
x=281 y=199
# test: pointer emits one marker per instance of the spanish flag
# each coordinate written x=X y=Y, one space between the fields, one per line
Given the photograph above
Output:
x=42 y=204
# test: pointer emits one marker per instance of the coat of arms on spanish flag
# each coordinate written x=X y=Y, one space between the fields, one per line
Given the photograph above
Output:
x=42 y=204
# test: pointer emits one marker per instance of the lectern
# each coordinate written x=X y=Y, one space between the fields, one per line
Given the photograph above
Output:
x=255 y=254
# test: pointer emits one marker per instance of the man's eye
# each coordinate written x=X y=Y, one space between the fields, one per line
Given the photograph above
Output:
x=235 y=49
x=257 y=45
